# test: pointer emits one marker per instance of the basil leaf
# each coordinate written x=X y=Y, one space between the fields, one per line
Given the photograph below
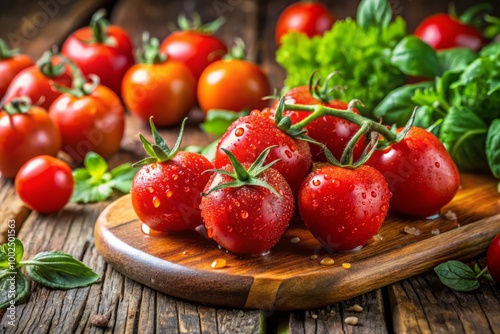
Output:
x=95 y=184
x=491 y=51
x=463 y=134
x=4 y=257
x=397 y=106
x=59 y=270
x=456 y=59
x=374 y=13
x=217 y=121
x=14 y=288
x=414 y=57
x=11 y=253
x=457 y=276
x=95 y=165
x=493 y=147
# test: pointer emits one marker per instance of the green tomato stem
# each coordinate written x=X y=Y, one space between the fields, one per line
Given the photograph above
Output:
x=482 y=272
x=99 y=26
x=5 y=52
x=318 y=111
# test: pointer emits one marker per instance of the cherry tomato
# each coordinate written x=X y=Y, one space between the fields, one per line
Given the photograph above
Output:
x=194 y=45
x=166 y=195
x=420 y=172
x=344 y=207
x=248 y=136
x=11 y=64
x=493 y=259
x=25 y=132
x=101 y=49
x=164 y=89
x=308 y=17
x=334 y=132
x=443 y=31
x=45 y=184
x=233 y=84
x=247 y=220
x=36 y=82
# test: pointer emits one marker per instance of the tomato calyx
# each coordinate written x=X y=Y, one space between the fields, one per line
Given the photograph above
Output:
x=80 y=87
x=324 y=92
x=21 y=105
x=245 y=177
x=159 y=151
x=150 y=53
x=48 y=67
x=237 y=52
x=195 y=24
x=470 y=16
x=99 y=26
x=5 y=52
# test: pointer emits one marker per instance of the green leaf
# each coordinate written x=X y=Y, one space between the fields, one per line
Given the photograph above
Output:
x=12 y=250
x=493 y=147
x=58 y=270
x=463 y=134
x=457 y=276
x=99 y=186
x=456 y=59
x=217 y=121
x=95 y=165
x=415 y=57
x=14 y=288
x=397 y=106
x=491 y=51
x=374 y=13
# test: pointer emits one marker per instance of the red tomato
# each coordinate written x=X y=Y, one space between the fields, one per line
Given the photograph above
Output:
x=10 y=65
x=45 y=184
x=247 y=220
x=164 y=89
x=93 y=122
x=334 y=132
x=233 y=84
x=308 y=17
x=101 y=49
x=493 y=258
x=36 y=82
x=248 y=136
x=343 y=207
x=196 y=49
x=443 y=31
x=166 y=195
x=420 y=172
x=24 y=135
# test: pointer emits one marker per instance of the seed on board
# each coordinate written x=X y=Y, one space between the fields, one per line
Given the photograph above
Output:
x=295 y=240
x=327 y=261
x=314 y=257
x=412 y=230
x=314 y=316
x=218 y=263
x=355 y=308
x=352 y=321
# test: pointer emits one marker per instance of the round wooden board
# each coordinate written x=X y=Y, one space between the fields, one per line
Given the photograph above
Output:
x=291 y=276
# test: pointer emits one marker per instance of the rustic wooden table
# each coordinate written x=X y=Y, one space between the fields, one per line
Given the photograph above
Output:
x=417 y=305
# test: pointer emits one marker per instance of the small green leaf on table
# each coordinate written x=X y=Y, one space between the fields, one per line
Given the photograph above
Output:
x=457 y=276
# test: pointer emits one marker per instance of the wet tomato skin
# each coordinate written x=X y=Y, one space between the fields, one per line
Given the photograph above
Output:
x=248 y=220
x=248 y=136
x=45 y=184
x=334 y=132
x=166 y=195
x=493 y=259
x=10 y=67
x=343 y=207
x=420 y=172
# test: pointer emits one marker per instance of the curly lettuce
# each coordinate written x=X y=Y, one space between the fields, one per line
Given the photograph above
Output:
x=361 y=55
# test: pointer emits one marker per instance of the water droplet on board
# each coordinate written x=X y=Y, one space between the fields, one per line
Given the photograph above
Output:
x=218 y=263
x=327 y=261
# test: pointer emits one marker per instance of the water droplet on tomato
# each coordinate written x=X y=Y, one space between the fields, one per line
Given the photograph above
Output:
x=169 y=193
x=156 y=201
x=354 y=230
x=336 y=183
x=383 y=208
x=210 y=232
x=288 y=154
x=150 y=189
x=374 y=194
x=244 y=214
x=363 y=195
x=316 y=182
x=341 y=229
x=175 y=177
x=186 y=189
x=230 y=229
x=437 y=164
x=327 y=176
x=315 y=203
x=293 y=148
x=154 y=165
x=351 y=187
x=239 y=132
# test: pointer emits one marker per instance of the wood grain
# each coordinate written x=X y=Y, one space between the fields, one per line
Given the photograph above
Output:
x=288 y=278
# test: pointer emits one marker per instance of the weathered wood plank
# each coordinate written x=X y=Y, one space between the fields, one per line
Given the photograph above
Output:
x=35 y=26
x=12 y=210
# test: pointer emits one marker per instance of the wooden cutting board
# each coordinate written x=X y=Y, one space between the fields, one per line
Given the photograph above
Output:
x=292 y=277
